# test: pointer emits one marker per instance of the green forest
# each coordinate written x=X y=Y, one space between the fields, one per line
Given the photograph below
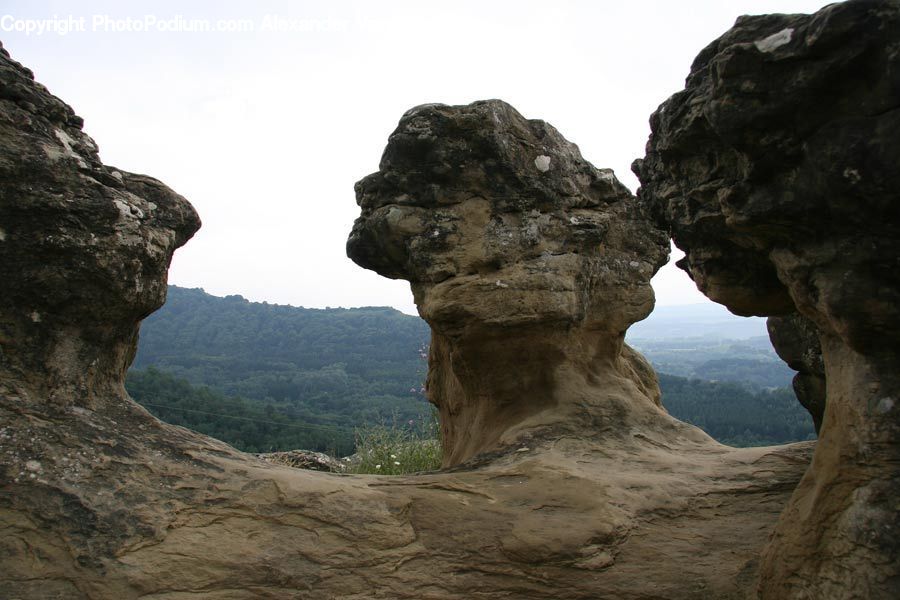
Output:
x=266 y=377
x=333 y=366
x=736 y=415
x=751 y=361
x=247 y=425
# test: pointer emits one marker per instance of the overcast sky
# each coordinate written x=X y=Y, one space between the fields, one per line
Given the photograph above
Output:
x=265 y=125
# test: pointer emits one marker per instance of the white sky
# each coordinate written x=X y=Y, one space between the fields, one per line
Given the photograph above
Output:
x=266 y=131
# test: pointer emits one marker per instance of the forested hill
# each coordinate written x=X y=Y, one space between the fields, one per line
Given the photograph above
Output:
x=282 y=377
x=195 y=332
x=338 y=367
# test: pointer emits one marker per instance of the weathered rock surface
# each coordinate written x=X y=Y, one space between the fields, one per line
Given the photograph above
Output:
x=527 y=261
x=74 y=233
x=305 y=459
x=796 y=340
x=776 y=171
x=100 y=500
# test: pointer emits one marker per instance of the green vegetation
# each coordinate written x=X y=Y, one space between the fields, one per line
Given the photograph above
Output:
x=729 y=412
x=734 y=415
x=266 y=378
x=246 y=425
x=387 y=448
x=398 y=448
x=336 y=367
x=751 y=362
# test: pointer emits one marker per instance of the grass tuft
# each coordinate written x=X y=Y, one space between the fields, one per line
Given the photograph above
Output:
x=398 y=448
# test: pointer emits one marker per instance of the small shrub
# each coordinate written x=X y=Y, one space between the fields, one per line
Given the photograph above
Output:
x=398 y=448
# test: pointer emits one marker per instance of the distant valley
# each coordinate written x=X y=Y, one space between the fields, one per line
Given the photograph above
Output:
x=267 y=377
x=705 y=341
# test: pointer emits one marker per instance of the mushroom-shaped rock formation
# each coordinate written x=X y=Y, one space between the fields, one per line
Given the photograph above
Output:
x=84 y=251
x=100 y=500
x=776 y=170
x=527 y=261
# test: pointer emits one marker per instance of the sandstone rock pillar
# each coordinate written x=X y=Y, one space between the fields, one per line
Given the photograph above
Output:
x=527 y=261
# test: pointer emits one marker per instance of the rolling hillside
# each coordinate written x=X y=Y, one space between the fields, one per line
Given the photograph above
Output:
x=269 y=377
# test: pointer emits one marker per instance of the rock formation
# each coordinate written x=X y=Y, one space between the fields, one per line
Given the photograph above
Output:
x=304 y=459
x=609 y=498
x=73 y=232
x=776 y=172
x=527 y=261
x=796 y=340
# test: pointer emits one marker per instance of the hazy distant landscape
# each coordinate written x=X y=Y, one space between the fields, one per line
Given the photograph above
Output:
x=705 y=341
x=266 y=377
x=706 y=320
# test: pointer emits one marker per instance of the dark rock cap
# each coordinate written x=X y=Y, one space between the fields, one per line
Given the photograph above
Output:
x=84 y=248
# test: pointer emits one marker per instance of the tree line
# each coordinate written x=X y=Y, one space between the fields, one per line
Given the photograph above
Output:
x=265 y=377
